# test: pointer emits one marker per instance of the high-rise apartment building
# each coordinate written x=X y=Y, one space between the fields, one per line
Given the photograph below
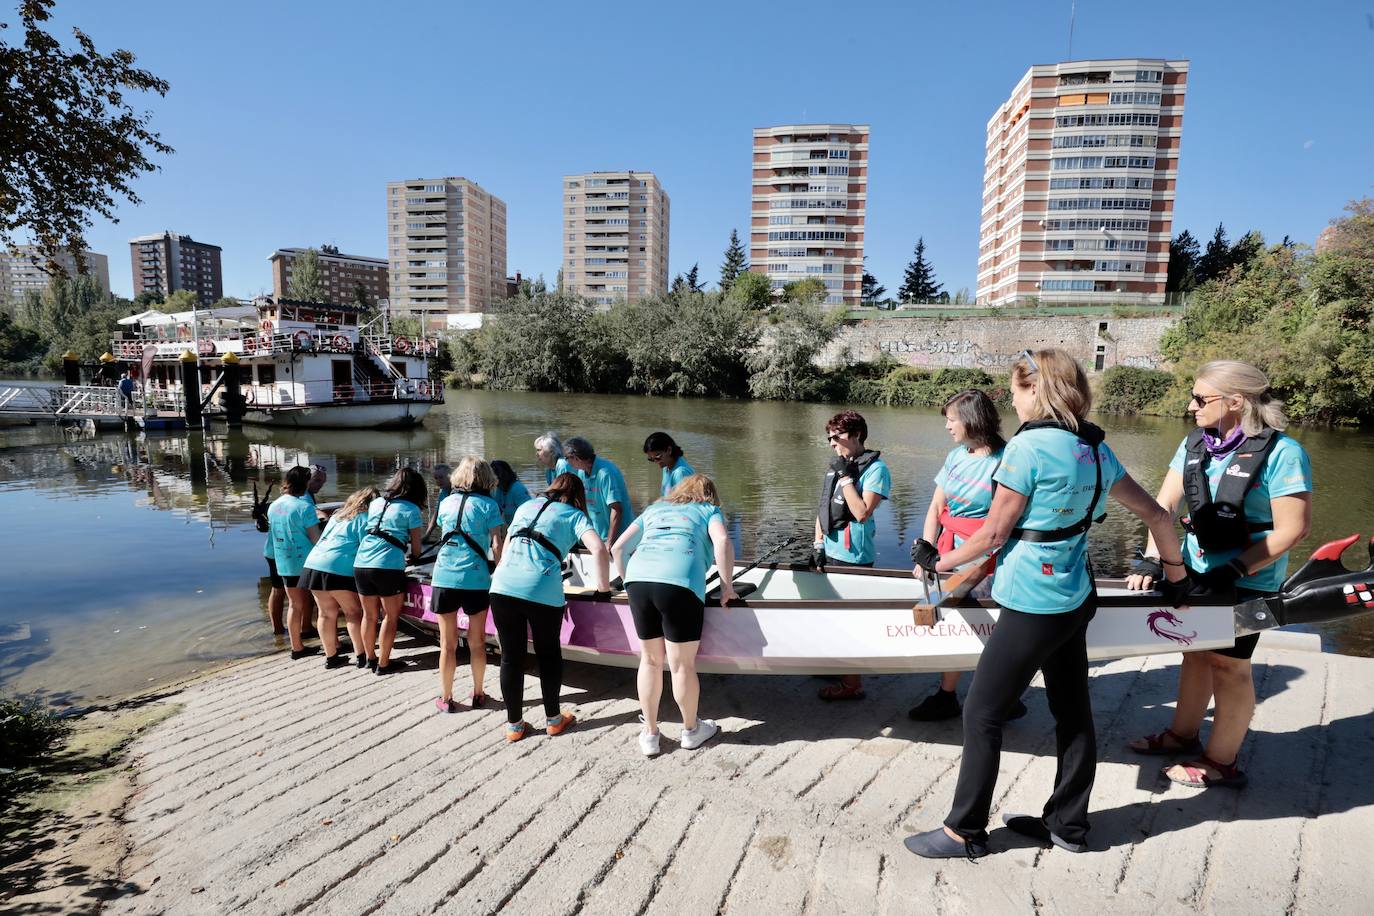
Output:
x=1078 y=186
x=167 y=263
x=615 y=228
x=341 y=274
x=26 y=270
x=810 y=196
x=446 y=241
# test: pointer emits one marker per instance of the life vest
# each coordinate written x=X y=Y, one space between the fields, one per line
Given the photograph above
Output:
x=530 y=532
x=833 y=510
x=377 y=532
x=1218 y=521
x=1091 y=436
x=459 y=532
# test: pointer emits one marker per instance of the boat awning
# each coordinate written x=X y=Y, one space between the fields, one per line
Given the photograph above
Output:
x=229 y=314
x=152 y=316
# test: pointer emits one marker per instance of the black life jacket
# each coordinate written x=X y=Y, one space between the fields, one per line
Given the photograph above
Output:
x=833 y=511
x=1218 y=521
x=376 y=530
x=459 y=532
x=1091 y=436
x=530 y=532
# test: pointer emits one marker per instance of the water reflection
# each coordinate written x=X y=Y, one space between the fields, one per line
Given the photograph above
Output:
x=106 y=596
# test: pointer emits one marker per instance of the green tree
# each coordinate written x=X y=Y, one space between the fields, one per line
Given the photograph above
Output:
x=1353 y=235
x=918 y=283
x=692 y=278
x=148 y=299
x=963 y=296
x=71 y=139
x=307 y=278
x=71 y=314
x=1216 y=260
x=736 y=262
x=183 y=300
x=1248 y=247
x=20 y=347
x=783 y=367
x=1183 y=259
x=753 y=290
x=871 y=291
x=810 y=289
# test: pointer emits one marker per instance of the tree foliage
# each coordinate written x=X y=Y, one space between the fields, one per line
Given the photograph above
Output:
x=871 y=290
x=918 y=283
x=693 y=280
x=736 y=262
x=70 y=141
x=753 y=290
x=307 y=278
x=1184 y=252
x=71 y=314
x=784 y=367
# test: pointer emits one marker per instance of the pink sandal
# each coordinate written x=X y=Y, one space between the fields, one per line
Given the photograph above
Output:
x=1231 y=778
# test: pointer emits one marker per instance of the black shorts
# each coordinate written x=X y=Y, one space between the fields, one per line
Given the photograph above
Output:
x=1244 y=647
x=319 y=581
x=379 y=583
x=277 y=580
x=663 y=611
x=470 y=600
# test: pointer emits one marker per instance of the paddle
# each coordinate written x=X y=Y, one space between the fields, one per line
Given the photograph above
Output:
x=957 y=588
x=754 y=565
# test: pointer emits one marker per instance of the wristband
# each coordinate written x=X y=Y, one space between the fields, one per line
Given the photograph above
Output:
x=1239 y=567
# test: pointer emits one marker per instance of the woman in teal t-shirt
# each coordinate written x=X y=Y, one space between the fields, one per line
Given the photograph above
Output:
x=329 y=576
x=674 y=542
x=471 y=524
x=527 y=596
x=1238 y=423
x=1055 y=474
x=510 y=494
x=294 y=526
x=548 y=451
x=661 y=450
x=963 y=495
x=395 y=521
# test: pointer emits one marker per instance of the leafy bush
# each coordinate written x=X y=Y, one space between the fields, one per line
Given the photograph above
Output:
x=1129 y=389
x=28 y=733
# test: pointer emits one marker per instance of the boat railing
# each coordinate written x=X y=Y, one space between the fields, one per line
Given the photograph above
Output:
x=267 y=342
x=321 y=392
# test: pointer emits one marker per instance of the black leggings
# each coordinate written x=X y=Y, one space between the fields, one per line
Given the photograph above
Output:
x=1021 y=644
x=512 y=616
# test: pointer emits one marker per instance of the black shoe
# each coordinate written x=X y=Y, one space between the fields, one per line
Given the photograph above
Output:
x=361 y=661
x=297 y=654
x=1018 y=711
x=372 y=664
x=396 y=664
x=940 y=705
x=1035 y=828
x=936 y=844
x=336 y=661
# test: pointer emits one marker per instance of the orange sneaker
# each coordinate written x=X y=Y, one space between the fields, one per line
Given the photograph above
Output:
x=516 y=731
x=564 y=722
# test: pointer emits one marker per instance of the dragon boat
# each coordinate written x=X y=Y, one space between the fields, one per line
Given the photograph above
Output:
x=795 y=620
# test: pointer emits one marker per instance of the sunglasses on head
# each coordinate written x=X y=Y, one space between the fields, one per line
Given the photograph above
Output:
x=1029 y=357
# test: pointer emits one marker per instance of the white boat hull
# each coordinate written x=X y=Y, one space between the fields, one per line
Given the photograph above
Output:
x=374 y=415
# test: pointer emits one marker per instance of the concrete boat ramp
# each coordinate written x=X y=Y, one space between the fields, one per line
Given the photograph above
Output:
x=282 y=788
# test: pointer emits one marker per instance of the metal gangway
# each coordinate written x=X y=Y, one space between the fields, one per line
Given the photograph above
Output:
x=61 y=403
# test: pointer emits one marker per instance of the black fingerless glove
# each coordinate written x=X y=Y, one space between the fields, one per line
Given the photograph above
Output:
x=838 y=464
x=1149 y=566
x=1176 y=593
x=818 y=557
x=851 y=470
x=924 y=554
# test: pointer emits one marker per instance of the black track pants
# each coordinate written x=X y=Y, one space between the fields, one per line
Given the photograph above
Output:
x=512 y=616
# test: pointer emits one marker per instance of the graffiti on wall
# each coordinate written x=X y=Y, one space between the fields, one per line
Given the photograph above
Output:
x=959 y=353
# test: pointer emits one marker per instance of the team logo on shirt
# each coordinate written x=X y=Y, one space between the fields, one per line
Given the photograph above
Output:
x=1047 y=569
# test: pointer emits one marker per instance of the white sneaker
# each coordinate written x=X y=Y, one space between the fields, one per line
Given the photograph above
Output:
x=648 y=744
x=693 y=738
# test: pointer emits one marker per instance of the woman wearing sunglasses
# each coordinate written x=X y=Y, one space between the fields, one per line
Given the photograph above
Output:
x=1248 y=490
x=661 y=450
x=1052 y=484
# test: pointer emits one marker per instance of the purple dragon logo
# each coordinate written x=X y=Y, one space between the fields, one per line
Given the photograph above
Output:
x=1163 y=616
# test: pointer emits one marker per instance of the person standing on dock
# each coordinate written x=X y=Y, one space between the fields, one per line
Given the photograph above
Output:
x=608 y=498
x=661 y=450
x=395 y=521
x=855 y=484
x=126 y=391
x=510 y=494
x=443 y=481
x=471 y=524
x=329 y=577
x=294 y=527
x=548 y=451
x=1248 y=491
x=1052 y=484
x=527 y=596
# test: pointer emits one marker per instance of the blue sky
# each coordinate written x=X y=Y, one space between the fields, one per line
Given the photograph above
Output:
x=289 y=118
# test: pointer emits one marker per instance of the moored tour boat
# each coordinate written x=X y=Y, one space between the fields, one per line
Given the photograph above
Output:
x=796 y=620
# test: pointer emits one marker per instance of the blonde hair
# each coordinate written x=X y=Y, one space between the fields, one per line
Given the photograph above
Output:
x=357 y=503
x=1061 y=385
x=475 y=475
x=697 y=488
x=1230 y=377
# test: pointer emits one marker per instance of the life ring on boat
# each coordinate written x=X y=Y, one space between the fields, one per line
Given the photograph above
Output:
x=422 y=388
x=206 y=347
x=341 y=344
x=250 y=344
x=401 y=345
x=266 y=325
x=265 y=341
x=303 y=340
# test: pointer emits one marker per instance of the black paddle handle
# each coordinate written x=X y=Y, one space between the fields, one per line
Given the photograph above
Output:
x=761 y=557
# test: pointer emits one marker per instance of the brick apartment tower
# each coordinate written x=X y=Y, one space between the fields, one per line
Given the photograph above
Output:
x=168 y=263
x=446 y=241
x=342 y=274
x=1078 y=186
x=810 y=195
x=615 y=228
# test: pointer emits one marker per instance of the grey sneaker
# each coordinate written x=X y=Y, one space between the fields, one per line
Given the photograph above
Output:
x=693 y=738
x=648 y=744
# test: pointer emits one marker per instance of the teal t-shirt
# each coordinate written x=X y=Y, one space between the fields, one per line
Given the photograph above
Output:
x=854 y=542
x=675 y=545
x=606 y=485
x=337 y=547
x=560 y=466
x=675 y=475
x=1055 y=470
x=529 y=571
x=966 y=479
x=457 y=566
x=1286 y=472
x=377 y=553
x=510 y=500
x=289 y=517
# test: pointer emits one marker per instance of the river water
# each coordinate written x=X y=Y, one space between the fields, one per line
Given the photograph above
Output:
x=132 y=561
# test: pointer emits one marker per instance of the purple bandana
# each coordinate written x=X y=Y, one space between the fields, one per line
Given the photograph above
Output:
x=1224 y=446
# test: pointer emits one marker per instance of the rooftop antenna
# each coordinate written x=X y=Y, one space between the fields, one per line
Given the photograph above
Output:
x=1073 y=8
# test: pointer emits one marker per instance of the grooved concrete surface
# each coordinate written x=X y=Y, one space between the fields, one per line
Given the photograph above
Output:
x=284 y=788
